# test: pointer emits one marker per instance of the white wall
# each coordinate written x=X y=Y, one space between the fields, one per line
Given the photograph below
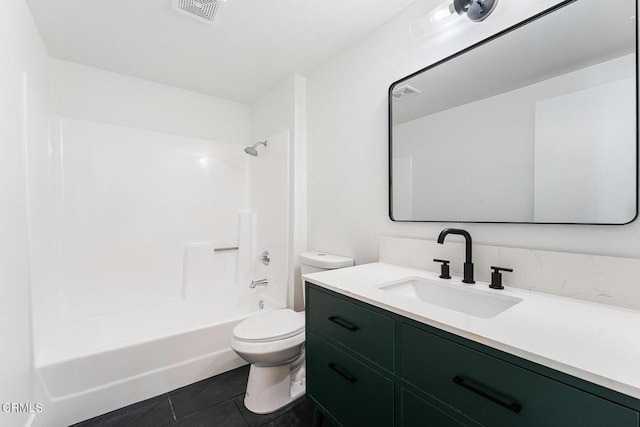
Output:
x=348 y=181
x=96 y=95
x=23 y=123
x=284 y=109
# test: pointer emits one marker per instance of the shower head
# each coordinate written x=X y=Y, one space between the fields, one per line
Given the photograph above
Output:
x=252 y=150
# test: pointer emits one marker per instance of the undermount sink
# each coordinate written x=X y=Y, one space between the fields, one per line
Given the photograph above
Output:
x=454 y=296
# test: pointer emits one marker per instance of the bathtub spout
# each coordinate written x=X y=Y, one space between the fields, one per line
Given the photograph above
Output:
x=261 y=282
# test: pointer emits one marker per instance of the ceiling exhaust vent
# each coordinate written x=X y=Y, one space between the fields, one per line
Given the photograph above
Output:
x=405 y=91
x=202 y=10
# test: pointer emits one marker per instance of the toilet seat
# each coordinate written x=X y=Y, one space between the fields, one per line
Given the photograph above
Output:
x=276 y=325
x=271 y=339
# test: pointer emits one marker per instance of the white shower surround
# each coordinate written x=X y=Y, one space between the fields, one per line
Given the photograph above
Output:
x=110 y=331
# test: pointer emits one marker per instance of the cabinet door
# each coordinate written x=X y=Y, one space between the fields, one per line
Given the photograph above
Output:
x=368 y=333
x=415 y=412
x=352 y=393
x=497 y=393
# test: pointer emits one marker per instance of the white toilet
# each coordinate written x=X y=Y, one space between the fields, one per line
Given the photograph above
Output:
x=274 y=345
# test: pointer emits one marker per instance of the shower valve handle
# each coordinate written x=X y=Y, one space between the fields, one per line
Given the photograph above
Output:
x=265 y=258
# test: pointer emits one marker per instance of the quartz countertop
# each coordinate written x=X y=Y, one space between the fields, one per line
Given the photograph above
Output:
x=594 y=342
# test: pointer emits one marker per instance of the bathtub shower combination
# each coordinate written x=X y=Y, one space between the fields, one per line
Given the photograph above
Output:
x=152 y=263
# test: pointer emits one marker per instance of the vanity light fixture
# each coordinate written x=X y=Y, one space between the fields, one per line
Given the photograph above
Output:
x=438 y=18
x=476 y=10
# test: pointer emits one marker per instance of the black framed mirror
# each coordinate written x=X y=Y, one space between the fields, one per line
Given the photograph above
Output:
x=536 y=124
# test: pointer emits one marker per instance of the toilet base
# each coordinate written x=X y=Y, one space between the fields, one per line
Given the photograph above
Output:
x=271 y=387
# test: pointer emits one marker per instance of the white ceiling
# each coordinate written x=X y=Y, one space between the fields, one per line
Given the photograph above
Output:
x=252 y=46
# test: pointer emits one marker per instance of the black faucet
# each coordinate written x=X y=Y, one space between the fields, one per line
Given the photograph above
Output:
x=468 y=264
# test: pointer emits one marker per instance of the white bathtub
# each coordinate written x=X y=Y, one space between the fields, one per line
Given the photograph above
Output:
x=95 y=365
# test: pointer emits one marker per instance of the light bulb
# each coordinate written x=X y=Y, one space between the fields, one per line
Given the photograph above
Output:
x=441 y=12
x=434 y=21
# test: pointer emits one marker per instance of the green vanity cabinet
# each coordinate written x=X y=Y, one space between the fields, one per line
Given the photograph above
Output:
x=416 y=412
x=522 y=397
x=359 y=329
x=347 y=389
x=370 y=367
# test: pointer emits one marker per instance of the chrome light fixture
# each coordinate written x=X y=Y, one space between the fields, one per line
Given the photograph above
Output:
x=439 y=19
x=476 y=10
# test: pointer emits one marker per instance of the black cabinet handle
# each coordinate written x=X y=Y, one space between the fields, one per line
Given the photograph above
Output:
x=344 y=374
x=343 y=323
x=479 y=390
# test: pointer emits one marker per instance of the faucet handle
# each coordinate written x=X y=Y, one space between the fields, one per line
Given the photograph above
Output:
x=496 y=277
x=444 y=268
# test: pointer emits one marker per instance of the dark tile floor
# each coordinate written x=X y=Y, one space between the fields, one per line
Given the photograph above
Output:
x=217 y=402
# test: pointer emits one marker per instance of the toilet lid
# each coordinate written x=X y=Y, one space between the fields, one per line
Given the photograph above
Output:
x=274 y=325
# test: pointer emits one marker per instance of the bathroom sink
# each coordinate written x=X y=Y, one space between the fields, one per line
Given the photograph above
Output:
x=454 y=296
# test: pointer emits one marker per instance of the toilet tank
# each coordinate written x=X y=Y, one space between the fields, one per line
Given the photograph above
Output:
x=314 y=261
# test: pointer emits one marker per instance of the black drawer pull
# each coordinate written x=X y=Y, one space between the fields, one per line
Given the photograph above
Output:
x=343 y=323
x=478 y=389
x=343 y=373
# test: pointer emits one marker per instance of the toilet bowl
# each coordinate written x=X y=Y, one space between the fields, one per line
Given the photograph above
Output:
x=273 y=343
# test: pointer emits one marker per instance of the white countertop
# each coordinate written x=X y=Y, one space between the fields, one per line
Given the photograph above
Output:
x=595 y=342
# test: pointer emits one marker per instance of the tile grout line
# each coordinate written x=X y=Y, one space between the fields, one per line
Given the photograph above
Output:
x=240 y=410
x=172 y=411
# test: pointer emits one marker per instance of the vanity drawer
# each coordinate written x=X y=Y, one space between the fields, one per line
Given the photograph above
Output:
x=364 y=331
x=415 y=412
x=351 y=392
x=497 y=393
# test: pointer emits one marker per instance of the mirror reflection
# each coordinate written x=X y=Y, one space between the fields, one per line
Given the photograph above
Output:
x=537 y=125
